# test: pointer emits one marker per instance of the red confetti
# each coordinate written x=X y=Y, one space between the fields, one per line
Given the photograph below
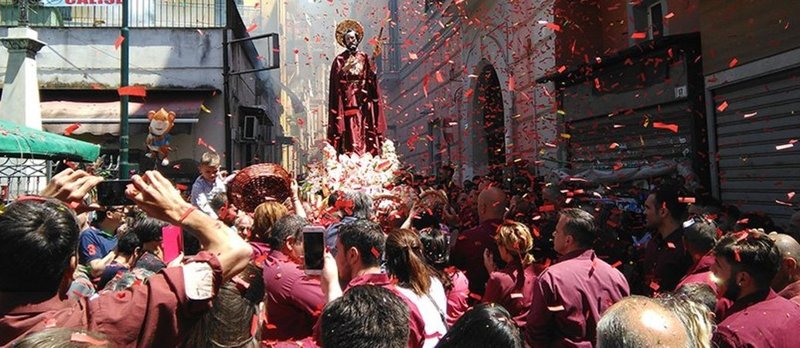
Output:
x=671 y=245
x=547 y=262
x=553 y=26
x=425 y=81
x=736 y=255
x=639 y=35
x=617 y=166
x=722 y=106
x=655 y=286
x=135 y=91
x=120 y=40
x=81 y=337
x=512 y=83
x=669 y=15
x=181 y=187
x=254 y=325
x=475 y=296
x=439 y=77
x=412 y=56
x=669 y=126
x=733 y=63
x=790 y=195
x=252 y=27
x=688 y=200
x=616 y=264
x=468 y=93
x=375 y=252
x=784 y=203
x=547 y=208
x=271 y=326
x=71 y=129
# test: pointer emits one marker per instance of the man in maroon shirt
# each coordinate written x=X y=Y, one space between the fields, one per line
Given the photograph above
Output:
x=468 y=250
x=359 y=247
x=294 y=300
x=665 y=259
x=570 y=296
x=787 y=281
x=699 y=238
x=343 y=322
x=38 y=244
x=745 y=264
x=641 y=322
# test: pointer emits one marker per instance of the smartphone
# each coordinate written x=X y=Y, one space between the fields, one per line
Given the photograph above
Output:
x=313 y=249
x=172 y=242
x=112 y=193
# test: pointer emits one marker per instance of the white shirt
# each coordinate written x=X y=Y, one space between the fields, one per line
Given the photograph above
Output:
x=435 y=328
x=203 y=192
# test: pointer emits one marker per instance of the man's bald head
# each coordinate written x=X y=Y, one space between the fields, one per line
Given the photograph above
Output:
x=787 y=245
x=638 y=321
x=790 y=260
x=492 y=203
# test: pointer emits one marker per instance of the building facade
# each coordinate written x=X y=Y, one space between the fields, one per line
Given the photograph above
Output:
x=177 y=56
x=458 y=79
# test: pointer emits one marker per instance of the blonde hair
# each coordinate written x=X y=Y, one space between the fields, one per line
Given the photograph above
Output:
x=696 y=317
x=517 y=239
x=265 y=216
x=210 y=159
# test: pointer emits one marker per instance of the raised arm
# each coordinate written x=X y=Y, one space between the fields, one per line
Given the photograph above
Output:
x=159 y=199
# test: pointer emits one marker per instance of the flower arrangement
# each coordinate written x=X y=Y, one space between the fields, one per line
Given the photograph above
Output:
x=368 y=173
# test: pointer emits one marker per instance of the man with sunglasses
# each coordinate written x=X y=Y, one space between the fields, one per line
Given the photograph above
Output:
x=38 y=254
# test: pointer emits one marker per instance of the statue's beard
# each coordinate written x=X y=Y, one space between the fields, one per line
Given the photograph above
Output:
x=352 y=47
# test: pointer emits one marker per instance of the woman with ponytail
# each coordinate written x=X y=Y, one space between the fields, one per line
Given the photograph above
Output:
x=512 y=286
x=417 y=281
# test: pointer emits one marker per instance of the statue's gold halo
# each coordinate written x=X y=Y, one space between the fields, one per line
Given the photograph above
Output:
x=344 y=27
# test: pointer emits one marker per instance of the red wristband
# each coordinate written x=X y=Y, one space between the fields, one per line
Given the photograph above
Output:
x=186 y=214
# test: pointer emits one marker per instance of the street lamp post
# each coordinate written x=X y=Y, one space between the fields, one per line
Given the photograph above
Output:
x=124 y=141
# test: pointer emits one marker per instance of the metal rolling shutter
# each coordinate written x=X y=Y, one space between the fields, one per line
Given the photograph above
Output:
x=753 y=173
x=591 y=138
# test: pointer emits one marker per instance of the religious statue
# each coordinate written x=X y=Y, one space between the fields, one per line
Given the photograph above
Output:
x=355 y=116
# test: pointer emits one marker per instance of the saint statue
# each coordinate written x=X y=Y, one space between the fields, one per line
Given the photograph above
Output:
x=355 y=116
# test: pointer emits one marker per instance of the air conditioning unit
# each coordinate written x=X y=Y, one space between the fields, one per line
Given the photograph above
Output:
x=250 y=129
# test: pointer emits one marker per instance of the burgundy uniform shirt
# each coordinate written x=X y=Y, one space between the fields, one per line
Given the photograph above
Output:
x=417 y=325
x=665 y=262
x=568 y=299
x=467 y=254
x=791 y=292
x=700 y=273
x=294 y=300
x=512 y=288
x=760 y=320
x=457 y=296
x=157 y=313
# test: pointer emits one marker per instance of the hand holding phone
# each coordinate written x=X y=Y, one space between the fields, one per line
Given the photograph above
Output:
x=313 y=249
x=112 y=193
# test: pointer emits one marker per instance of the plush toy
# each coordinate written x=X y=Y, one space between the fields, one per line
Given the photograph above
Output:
x=157 y=141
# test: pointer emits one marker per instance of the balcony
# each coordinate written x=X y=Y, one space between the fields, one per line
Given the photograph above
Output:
x=143 y=14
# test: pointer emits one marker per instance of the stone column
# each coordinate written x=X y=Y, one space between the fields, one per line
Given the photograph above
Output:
x=20 y=101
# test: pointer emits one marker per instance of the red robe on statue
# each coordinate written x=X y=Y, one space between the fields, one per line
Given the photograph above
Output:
x=355 y=116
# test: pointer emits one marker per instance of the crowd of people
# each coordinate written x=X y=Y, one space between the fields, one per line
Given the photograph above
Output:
x=481 y=264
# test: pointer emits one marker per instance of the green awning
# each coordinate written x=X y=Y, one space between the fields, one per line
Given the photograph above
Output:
x=22 y=142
